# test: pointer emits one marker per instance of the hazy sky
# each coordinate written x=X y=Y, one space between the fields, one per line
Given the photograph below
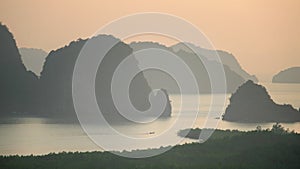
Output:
x=264 y=35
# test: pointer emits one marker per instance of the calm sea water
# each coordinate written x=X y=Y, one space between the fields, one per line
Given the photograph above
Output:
x=39 y=136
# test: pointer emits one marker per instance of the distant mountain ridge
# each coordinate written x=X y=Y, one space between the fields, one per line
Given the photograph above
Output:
x=290 y=75
x=235 y=75
x=226 y=58
x=33 y=59
x=22 y=92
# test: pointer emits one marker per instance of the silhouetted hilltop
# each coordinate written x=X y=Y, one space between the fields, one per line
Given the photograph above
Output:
x=51 y=94
x=56 y=80
x=290 y=75
x=160 y=79
x=55 y=83
x=17 y=85
x=252 y=103
x=33 y=59
x=136 y=46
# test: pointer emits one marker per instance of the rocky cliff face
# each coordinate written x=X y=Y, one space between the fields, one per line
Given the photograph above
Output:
x=17 y=85
x=56 y=80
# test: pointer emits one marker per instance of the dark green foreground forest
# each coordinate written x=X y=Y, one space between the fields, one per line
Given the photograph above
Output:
x=274 y=148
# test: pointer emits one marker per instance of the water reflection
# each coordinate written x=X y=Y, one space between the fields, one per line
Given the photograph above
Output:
x=40 y=136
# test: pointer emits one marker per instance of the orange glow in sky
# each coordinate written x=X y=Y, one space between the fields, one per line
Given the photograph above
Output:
x=263 y=35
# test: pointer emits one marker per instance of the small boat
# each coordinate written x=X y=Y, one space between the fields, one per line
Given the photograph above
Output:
x=151 y=132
